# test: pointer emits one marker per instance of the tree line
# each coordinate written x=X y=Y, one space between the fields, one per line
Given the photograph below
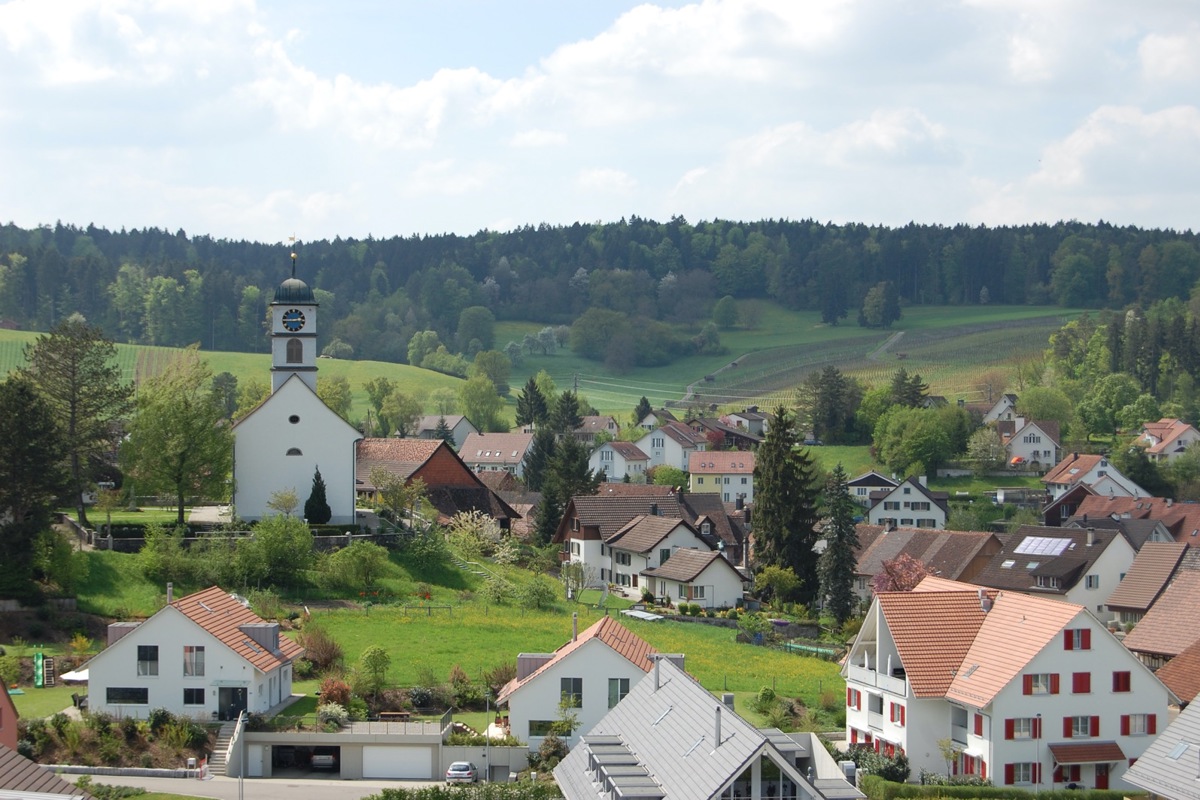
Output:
x=151 y=286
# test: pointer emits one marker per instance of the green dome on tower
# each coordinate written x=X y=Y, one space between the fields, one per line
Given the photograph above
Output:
x=295 y=292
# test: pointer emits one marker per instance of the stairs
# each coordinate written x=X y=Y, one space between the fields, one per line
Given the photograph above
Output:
x=49 y=673
x=216 y=762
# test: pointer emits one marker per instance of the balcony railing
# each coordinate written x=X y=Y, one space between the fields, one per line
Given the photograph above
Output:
x=869 y=677
x=958 y=734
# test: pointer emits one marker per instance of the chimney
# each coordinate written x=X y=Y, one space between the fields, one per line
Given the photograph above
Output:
x=575 y=626
x=985 y=602
x=727 y=699
x=1091 y=536
x=170 y=593
x=657 y=676
x=717 y=726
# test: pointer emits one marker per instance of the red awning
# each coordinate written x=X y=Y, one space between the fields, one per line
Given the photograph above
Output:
x=1086 y=753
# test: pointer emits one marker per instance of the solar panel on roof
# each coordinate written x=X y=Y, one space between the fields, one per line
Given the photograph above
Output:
x=1042 y=545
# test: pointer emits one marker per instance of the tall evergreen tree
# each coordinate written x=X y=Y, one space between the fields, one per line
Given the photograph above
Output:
x=316 y=507
x=566 y=417
x=837 y=563
x=786 y=505
x=537 y=460
x=74 y=368
x=642 y=411
x=567 y=475
x=444 y=432
x=908 y=390
x=531 y=405
x=836 y=399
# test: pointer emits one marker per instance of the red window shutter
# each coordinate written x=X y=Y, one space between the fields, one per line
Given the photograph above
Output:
x=982 y=769
x=854 y=736
x=891 y=712
x=1037 y=773
x=850 y=696
x=857 y=700
x=1008 y=774
x=1026 y=684
x=1008 y=728
x=1124 y=724
x=1095 y=727
x=1068 y=640
x=901 y=716
x=1081 y=682
x=1058 y=775
x=979 y=724
x=1151 y=723
x=1037 y=727
x=1054 y=683
x=1087 y=639
x=1068 y=727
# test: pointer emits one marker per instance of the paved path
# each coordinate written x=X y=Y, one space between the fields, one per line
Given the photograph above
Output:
x=223 y=788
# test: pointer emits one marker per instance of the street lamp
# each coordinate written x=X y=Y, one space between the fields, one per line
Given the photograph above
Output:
x=1037 y=755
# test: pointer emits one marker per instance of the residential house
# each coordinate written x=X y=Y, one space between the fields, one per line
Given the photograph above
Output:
x=955 y=555
x=1169 y=627
x=656 y=419
x=1003 y=409
x=459 y=427
x=451 y=487
x=1060 y=509
x=861 y=487
x=1081 y=566
x=484 y=452
x=205 y=656
x=1182 y=520
x=595 y=670
x=1167 y=769
x=696 y=575
x=1095 y=471
x=752 y=420
x=8 y=720
x=1030 y=691
x=671 y=445
x=1145 y=581
x=643 y=543
x=729 y=473
x=1182 y=673
x=24 y=779
x=1167 y=439
x=592 y=426
x=909 y=505
x=671 y=737
x=728 y=523
x=1034 y=443
x=722 y=435
x=617 y=461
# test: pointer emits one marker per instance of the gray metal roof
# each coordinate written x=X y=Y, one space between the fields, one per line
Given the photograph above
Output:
x=1168 y=768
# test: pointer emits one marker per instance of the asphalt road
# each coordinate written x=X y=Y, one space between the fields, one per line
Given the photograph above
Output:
x=222 y=788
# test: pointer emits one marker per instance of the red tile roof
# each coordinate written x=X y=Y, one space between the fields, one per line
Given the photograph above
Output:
x=1181 y=519
x=401 y=457
x=721 y=462
x=495 y=448
x=1169 y=627
x=217 y=612
x=933 y=630
x=1152 y=567
x=1182 y=673
x=1086 y=753
x=607 y=630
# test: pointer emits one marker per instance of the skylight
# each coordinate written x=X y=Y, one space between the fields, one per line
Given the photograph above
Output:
x=1178 y=751
x=1008 y=564
x=1032 y=565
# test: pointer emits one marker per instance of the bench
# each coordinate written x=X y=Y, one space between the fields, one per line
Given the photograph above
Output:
x=395 y=716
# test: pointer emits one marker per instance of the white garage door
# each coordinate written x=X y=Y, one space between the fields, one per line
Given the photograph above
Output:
x=414 y=763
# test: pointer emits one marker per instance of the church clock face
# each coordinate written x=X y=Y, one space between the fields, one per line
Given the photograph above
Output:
x=293 y=320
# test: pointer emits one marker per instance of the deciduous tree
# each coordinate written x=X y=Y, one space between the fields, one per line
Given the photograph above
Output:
x=480 y=403
x=334 y=392
x=403 y=413
x=900 y=574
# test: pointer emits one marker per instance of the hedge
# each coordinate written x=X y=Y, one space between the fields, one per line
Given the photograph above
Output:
x=877 y=788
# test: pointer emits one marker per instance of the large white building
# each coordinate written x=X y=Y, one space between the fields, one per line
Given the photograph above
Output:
x=1029 y=691
x=281 y=444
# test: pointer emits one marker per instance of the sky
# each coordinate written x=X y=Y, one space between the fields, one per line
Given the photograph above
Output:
x=265 y=119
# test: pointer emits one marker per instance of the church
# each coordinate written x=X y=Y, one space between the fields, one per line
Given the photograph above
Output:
x=281 y=444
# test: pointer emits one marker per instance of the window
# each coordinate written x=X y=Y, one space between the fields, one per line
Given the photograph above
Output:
x=875 y=703
x=1023 y=772
x=700 y=481
x=572 y=691
x=147 y=659
x=1040 y=683
x=697 y=592
x=617 y=689
x=1120 y=682
x=683 y=591
x=920 y=506
x=1093 y=582
x=1077 y=639
x=540 y=727
x=1023 y=728
x=193 y=662
x=295 y=351
x=1081 y=682
x=1139 y=724
x=891 y=505
x=896 y=714
x=1081 y=727
x=1047 y=581
x=606 y=455
x=575 y=548
x=663 y=554
x=118 y=696
x=745 y=481
x=854 y=699
x=1067 y=774
x=656 y=442
x=193 y=697
x=907 y=490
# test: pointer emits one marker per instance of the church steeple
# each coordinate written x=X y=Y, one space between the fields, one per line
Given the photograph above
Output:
x=293 y=332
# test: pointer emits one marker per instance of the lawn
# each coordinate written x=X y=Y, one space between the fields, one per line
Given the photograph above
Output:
x=45 y=702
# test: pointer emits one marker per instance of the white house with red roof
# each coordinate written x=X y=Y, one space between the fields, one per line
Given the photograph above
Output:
x=672 y=444
x=1167 y=439
x=697 y=575
x=909 y=505
x=1030 y=692
x=1094 y=471
x=729 y=473
x=595 y=669
x=1034 y=442
x=205 y=656
x=618 y=460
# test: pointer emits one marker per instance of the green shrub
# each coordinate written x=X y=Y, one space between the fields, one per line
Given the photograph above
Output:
x=159 y=718
x=303 y=669
x=129 y=729
x=60 y=722
x=332 y=714
x=420 y=696
x=101 y=723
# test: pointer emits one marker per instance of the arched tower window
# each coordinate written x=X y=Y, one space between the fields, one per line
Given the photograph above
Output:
x=295 y=351
x=294 y=451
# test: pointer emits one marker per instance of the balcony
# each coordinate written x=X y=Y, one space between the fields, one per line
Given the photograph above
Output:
x=875 y=720
x=869 y=677
x=958 y=734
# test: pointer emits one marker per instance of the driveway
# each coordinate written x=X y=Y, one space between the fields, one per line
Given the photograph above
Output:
x=223 y=788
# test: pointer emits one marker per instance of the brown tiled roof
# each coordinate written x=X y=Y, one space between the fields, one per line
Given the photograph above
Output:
x=1147 y=576
x=607 y=630
x=1166 y=431
x=630 y=452
x=867 y=534
x=1072 y=468
x=595 y=424
x=19 y=774
x=684 y=435
x=1012 y=632
x=1169 y=627
x=1182 y=673
x=721 y=462
x=1068 y=565
x=634 y=490
x=932 y=630
x=500 y=480
x=429 y=422
x=1181 y=519
x=1086 y=752
x=946 y=553
x=642 y=533
x=401 y=457
x=1051 y=428
x=609 y=513
x=219 y=614
x=495 y=448
x=687 y=564
x=727 y=525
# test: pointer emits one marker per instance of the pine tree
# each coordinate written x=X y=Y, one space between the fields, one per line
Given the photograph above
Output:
x=786 y=505
x=537 y=460
x=316 y=507
x=531 y=405
x=567 y=475
x=443 y=432
x=837 y=563
x=565 y=416
x=642 y=411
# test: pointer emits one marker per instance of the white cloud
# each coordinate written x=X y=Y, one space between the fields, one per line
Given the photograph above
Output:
x=538 y=138
x=603 y=179
x=1171 y=57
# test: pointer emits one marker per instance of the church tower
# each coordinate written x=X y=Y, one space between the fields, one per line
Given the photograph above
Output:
x=293 y=333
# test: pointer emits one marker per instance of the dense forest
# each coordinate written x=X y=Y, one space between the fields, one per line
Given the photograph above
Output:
x=154 y=287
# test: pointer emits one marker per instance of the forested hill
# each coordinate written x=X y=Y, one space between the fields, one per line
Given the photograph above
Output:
x=154 y=287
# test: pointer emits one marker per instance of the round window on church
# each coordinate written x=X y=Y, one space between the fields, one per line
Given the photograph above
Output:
x=294 y=418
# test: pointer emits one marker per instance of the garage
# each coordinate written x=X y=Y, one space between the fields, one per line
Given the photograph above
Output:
x=412 y=763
